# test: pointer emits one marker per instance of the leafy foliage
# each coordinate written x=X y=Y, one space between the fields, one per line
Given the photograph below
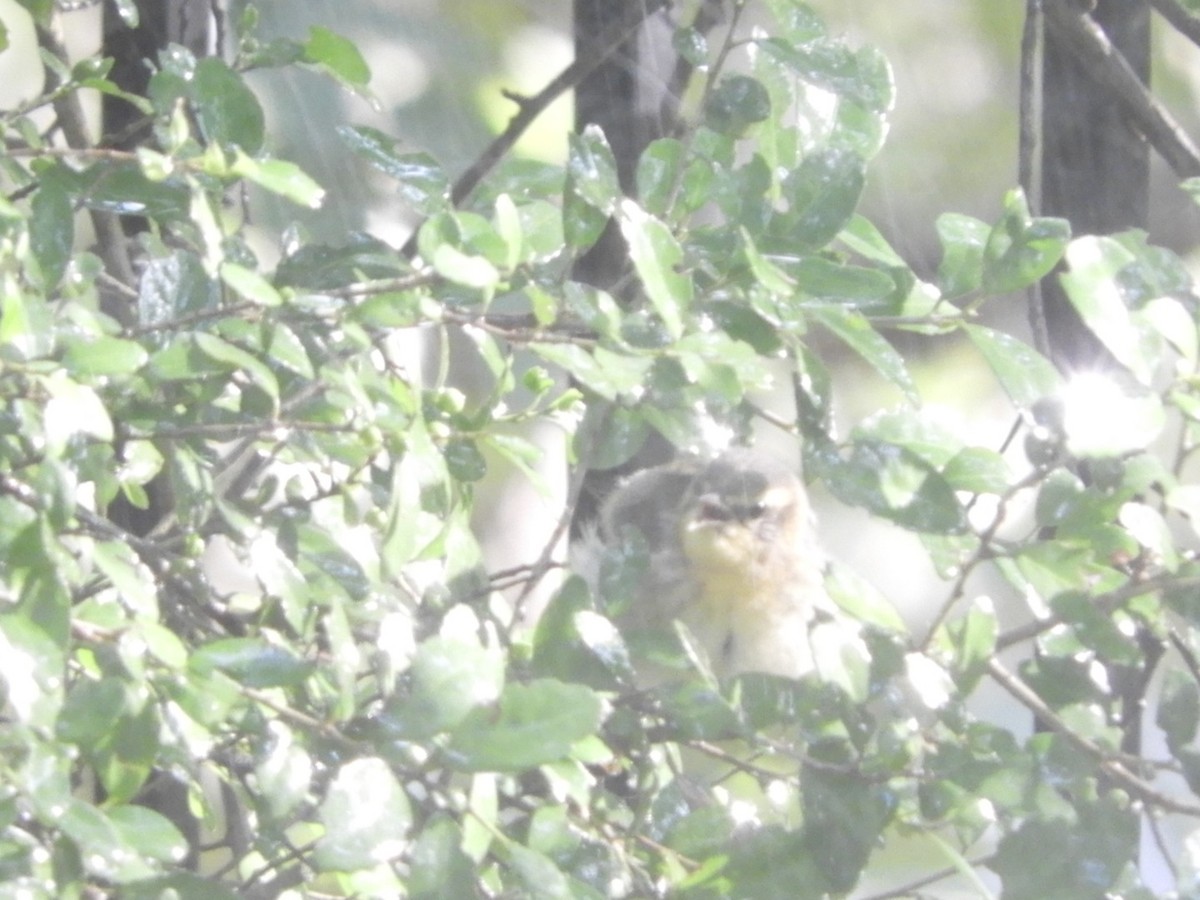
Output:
x=357 y=711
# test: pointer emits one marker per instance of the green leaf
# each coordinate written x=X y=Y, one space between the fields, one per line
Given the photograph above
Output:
x=250 y=284
x=1021 y=249
x=449 y=678
x=772 y=863
x=765 y=272
x=285 y=348
x=367 y=817
x=856 y=286
x=251 y=662
x=1092 y=282
x=1053 y=857
x=592 y=171
x=659 y=172
x=862 y=76
x=736 y=103
x=574 y=643
x=973 y=639
x=978 y=470
x=235 y=359
x=537 y=723
x=73 y=409
x=1178 y=713
x=104 y=355
x=174 y=286
x=923 y=431
x=841 y=658
x=149 y=833
x=466 y=269
x=324 y=267
x=227 y=110
x=608 y=374
x=822 y=195
x=963 y=241
x=657 y=258
x=125 y=190
x=52 y=230
x=421 y=180
x=857 y=596
x=539 y=877
x=91 y=711
x=844 y=816
x=855 y=329
x=285 y=773
x=464 y=460
x=99 y=841
x=1025 y=374
x=337 y=55
x=280 y=177
x=438 y=868
x=182 y=885
x=895 y=483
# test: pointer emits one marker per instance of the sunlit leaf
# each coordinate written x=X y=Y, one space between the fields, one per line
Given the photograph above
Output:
x=366 y=815
x=853 y=328
x=1025 y=374
x=1021 y=249
x=536 y=723
x=337 y=55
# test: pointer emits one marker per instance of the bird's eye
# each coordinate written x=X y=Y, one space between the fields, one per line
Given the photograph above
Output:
x=713 y=511
x=756 y=510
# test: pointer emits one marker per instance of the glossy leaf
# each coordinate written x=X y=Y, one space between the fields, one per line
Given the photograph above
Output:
x=1025 y=375
x=895 y=483
x=1091 y=281
x=736 y=103
x=592 y=171
x=536 y=723
x=420 y=179
x=337 y=55
x=822 y=195
x=367 y=817
x=227 y=110
x=251 y=662
x=964 y=240
x=52 y=229
x=280 y=177
x=1021 y=249
x=856 y=331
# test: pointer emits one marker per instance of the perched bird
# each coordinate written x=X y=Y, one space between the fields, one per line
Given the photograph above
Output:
x=731 y=554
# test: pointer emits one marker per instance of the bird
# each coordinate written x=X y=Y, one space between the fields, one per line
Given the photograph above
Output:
x=730 y=553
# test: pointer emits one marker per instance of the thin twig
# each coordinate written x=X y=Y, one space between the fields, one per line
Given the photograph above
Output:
x=529 y=108
x=1104 y=604
x=1104 y=759
x=982 y=553
x=110 y=238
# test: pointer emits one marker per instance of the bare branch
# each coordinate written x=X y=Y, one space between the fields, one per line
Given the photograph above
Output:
x=1105 y=760
x=529 y=108
x=1091 y=46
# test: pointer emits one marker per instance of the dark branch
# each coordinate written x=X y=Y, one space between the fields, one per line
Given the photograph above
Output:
x=1092 y=47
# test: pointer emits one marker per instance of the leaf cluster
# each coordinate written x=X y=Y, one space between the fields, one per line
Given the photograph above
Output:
x=301 y=649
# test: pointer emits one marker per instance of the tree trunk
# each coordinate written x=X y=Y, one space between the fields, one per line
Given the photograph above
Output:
x=1095 y=166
